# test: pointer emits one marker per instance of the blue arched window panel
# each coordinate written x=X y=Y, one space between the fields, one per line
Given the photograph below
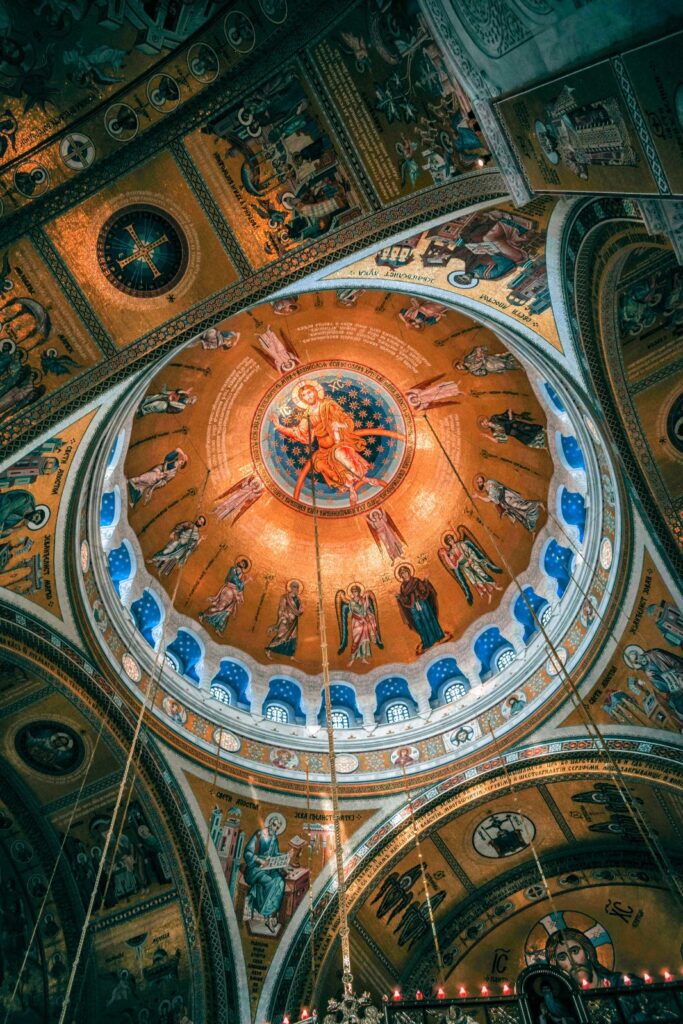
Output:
x=342 y=698
x=285 y=693
x=115 y=453
x=110 y=508
x=573 y=510
x=494 y=652
x=557 y=563
x=234 y=678
x=529 y=610
x=571 y=450
x=185 y=653
x=391 y=690
x=148 y=613
x=121 y=565
x=554 y=397
x=439 y=674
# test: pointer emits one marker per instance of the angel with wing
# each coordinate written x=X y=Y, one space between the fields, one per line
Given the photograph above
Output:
x=470 y=566
x=357 y=615
x=237 y=499
x=279 y=352
x=385 y=532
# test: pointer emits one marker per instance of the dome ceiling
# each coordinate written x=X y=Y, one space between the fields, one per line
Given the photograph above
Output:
x=438 y=473
x=391 y=511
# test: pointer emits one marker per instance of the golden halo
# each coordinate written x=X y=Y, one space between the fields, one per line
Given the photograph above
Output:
x=404 y=565
x=356 y=584
x=449 y=533
x=301 y=586
x=307 y=382
x=243 y=558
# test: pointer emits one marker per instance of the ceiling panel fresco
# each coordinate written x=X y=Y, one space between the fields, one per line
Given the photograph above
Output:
x=476 y=420
x=495 y=257
x=62 y=770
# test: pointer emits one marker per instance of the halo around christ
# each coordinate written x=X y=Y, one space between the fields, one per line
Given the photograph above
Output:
x=338 y=427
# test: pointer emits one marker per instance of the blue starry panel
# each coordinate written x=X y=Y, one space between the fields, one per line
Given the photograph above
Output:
x=236 y=678
x=147 y=614
x=286 y=692
x=187 y=652
x=110 y=507
x=392 y=687
x=489 y=647
x=441 y=672
x=554 y=397
x=120 y=565
x=572 y=452
x=528 y=610
x=343 y=698
x=573 y=510
x=115 y=450
x=557 y=562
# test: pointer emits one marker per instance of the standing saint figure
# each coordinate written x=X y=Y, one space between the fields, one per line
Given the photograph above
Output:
x=337 y=457
x=419 y=608
x=144 y=485
x=285 y=632
x=359 y=607
x=386 y=533
x=266 y=884
x=508 y=502
x=225 y=603
x=18 y=511
x=184 y=539
x=468 y=564
x=434 y=391
x=173 y=400
x=237 y=499
x=480 y=362
x=518 y=425
x=280 y=353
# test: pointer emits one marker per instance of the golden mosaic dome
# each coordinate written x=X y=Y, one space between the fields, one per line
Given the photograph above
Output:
x=392 y=445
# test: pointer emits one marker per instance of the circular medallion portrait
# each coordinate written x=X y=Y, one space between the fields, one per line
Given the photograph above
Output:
x=51 y=748
x=142 y=251
x=338 y=427
x=502 y=834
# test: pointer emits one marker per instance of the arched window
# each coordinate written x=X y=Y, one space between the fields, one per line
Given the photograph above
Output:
x=221 y=693
x=340 y=719
x=453 y=691
x=505 y=658
x=398 y=712
x=276 y=713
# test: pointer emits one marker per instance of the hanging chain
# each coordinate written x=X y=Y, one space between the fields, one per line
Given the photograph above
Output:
x=309 y=860
x=344 y=938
